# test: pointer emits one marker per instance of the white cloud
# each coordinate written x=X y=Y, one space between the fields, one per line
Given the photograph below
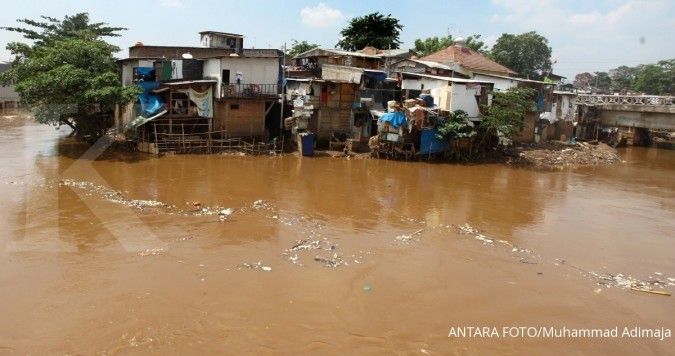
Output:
x=612 y=18
x=597 y=39
x=321 y=16
x=171 y=3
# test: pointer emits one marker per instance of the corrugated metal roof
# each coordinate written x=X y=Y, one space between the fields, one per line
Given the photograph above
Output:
x=448 y=79
x=223 y=33
x=515 y=78
x=191 y=82
x=323 y=52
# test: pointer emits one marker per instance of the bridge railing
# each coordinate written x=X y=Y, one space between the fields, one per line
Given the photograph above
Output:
x=642 y=100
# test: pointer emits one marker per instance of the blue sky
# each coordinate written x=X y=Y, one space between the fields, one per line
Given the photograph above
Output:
x=588 y=35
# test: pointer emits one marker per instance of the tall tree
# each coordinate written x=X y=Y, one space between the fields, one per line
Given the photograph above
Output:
x=656 y=79
x=373 y=29
x=528 y=53
x=602 y=81
x=623 y=77
x=51 y=29
x=583 y=80
x=68 y=75
x=475 y=43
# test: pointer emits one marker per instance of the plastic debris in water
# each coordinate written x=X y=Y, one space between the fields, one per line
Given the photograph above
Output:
x=367 y=287
x=224 y=214
x=152 y=252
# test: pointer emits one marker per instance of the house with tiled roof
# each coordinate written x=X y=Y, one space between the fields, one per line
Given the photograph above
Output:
x=469 y=59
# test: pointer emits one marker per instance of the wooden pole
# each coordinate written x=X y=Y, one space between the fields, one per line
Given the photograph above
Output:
x=154 y=125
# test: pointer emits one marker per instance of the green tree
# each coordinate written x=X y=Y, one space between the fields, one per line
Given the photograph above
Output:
x=374 y=30
x=583 y=80
x=298 y=47
x=655 y=79
x=528 y=53
x=429 y=45
x=602 y=81
x=68 y=75
x=623 y=77
x=507 y=113
x=52 y=29
x=475 y=43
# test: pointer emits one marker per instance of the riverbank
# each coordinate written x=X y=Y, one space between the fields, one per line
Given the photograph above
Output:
x=556 y=154
x=550 y=155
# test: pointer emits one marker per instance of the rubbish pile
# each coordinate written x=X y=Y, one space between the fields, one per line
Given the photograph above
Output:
x=559 y=154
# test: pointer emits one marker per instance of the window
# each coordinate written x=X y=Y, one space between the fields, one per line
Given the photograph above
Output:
x=234 y=106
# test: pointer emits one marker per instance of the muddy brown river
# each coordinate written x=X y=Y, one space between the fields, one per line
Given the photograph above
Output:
x=131 y=254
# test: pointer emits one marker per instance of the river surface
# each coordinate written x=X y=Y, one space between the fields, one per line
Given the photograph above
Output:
x=225 y=254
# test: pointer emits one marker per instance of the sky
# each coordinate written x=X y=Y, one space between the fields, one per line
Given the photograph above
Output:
x=589 y=35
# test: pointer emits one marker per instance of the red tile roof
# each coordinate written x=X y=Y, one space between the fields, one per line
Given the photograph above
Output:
x=468 y=58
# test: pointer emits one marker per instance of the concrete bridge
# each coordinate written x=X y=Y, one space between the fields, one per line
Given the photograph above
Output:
x=640 y=111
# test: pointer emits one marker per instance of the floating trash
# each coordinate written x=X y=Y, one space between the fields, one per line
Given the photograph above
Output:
x=224 y=214
x=152 y=252
x=258 y=265
x=410 y=237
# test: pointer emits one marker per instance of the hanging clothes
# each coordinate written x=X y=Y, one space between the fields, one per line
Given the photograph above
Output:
x=203 y=101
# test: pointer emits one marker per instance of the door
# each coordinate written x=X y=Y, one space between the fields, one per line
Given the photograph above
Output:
x=225 y=82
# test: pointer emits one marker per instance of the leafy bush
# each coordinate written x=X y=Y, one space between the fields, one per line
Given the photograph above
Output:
x=507 y=113
x=457 y=125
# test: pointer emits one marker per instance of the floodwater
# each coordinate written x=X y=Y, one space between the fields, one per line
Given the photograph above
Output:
x=136 y=254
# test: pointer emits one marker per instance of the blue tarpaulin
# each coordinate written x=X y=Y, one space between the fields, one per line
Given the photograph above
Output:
x=540 y=101
x=430 y=143
x=395 y=119
x=151 y=103
x=377 y=75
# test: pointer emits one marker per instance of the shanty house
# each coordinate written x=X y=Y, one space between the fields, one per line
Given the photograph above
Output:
x=248 y=87
x=243 y=86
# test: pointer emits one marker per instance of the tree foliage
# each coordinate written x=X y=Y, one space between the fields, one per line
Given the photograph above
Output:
x=528 y=53
x=656 y=79
x=68 y=75
x=602 y=81
x=653 y=79
x=298 y=47
x=457 y=125
x=583 y=80
x=429 y=45
x=475 y=43
x=52 y=29
x=375 y=29
x=507 y=113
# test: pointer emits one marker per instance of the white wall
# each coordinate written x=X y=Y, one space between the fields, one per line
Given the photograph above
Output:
x=212 y=71
x=499 y=83
x=464 y=98
x=254 y=70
